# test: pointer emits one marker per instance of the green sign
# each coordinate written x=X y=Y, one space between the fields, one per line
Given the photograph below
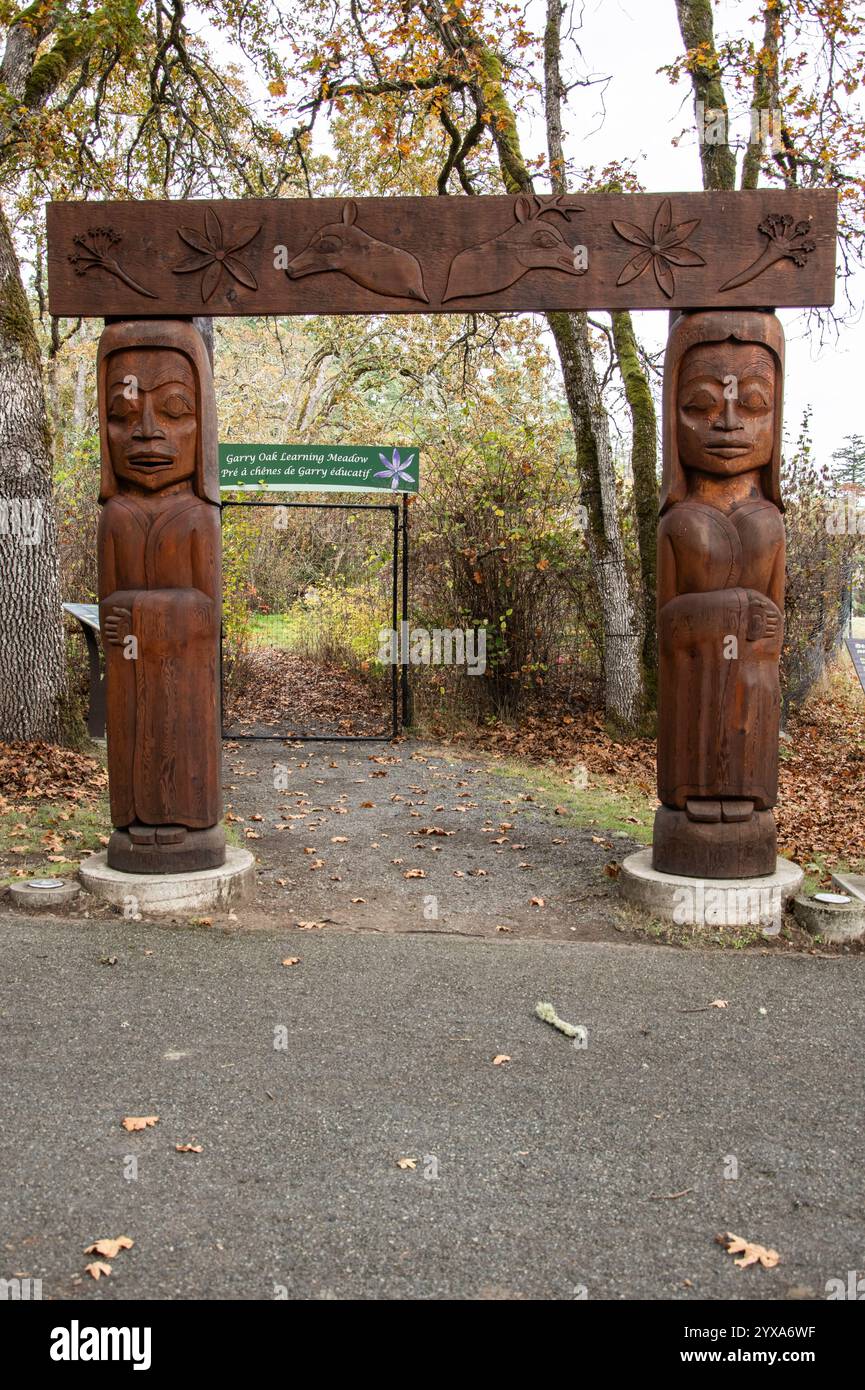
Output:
x=318 y=468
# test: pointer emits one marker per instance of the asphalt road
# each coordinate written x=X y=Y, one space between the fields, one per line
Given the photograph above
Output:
x=555 y=1172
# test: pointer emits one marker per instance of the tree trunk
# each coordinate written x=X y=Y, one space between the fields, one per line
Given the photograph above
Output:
x=698 y=34
x=31 y=631
x=644 y=465
x=621 y=612
x=623 y=678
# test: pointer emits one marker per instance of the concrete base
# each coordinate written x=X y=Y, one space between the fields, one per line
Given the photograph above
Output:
x=854 y=884
x=831 y=921
x=706 y=902
x=164 y=895
x=42 y=898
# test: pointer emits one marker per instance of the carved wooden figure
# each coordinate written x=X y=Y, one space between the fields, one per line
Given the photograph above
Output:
x=160 y=596
x=720 y=596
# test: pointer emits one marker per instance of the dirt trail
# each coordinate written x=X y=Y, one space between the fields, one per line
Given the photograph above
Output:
x=409 y=838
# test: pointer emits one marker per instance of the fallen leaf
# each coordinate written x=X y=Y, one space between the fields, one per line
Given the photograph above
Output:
x=406 y=1163
x=537 y=902
x=415 y=873
x=97 y=1270
x=750 y=1252
x=291 y=960
x=499 y=1058
x=136 y=1122
x=110 y=1248
x=358 y=900
x=189 y=1148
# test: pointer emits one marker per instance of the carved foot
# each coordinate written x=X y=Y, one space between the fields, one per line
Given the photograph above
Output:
x=703 y=810
x=743 y=847
x=170 y=849
x=170 y=834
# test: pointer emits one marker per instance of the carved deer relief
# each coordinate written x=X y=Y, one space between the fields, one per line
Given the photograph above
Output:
x=373 y=264
x=531 y=244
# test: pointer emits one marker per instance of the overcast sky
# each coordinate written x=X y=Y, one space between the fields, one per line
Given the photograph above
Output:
x=638 y=113
x=642 y=114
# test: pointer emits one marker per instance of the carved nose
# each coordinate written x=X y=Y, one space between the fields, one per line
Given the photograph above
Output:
x=147 y=427
x=729 y=417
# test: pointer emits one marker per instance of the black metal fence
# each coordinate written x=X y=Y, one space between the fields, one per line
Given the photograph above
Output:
x=310 y=588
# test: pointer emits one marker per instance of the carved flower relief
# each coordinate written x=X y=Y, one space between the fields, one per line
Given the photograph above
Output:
x=214 y=256
x=662 y=248
x=96 y=251
x=786 y=238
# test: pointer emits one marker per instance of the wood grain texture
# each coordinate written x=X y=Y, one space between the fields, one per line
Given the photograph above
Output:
x=771 y=247
x=721 y=550
x=160 y=595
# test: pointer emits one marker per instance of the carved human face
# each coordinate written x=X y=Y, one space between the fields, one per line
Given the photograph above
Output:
x=725 y=411
x=152 y=422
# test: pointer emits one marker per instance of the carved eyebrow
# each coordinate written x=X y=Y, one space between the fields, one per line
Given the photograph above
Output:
x=164 y=379
x=754 y=369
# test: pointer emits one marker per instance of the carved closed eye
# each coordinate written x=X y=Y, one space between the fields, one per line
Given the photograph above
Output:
x=701 y=400
x=544 y=239
x=176 y=405
x=753 y=399
x=121 y=408
x=329 y=244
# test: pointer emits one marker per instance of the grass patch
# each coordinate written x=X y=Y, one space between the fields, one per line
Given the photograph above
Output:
x=48 y=839
x=280 y=630
x=602 y=804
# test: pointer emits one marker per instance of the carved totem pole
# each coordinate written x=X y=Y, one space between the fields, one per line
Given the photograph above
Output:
x=160 y=596
x=720 y=596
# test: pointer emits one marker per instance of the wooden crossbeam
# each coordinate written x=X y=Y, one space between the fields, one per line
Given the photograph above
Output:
x=759 y=248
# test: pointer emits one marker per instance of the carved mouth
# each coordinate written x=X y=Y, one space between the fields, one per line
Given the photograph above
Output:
x=150 y=460
x=728 y=450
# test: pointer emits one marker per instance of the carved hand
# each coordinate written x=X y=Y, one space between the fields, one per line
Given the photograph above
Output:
x=117 y=626
x=763 y=619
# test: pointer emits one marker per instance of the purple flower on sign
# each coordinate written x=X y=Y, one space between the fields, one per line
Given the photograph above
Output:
x=396 y=469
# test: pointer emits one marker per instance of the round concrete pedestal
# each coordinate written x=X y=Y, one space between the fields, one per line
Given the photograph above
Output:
x=42 y=895
x=709 y=902
x=164 y=895
x=832 y=921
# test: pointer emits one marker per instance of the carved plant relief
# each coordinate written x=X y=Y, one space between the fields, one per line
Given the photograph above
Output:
x=786 y=238
x=530 y=244
x=96 y=252
x=662 y=248
x=213 y=256
x=374 y=265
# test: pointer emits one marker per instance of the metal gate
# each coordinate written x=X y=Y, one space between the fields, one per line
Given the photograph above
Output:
x=299 y=659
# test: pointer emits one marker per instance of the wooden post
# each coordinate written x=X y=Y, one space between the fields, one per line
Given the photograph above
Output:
x=720 y=595
x=160 y=588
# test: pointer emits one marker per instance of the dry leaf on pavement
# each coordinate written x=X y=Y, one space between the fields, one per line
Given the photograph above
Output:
x=406 y=1163
x=499 y=1058
x=750 y=1252
x=97 y=1270
x=189 y=1148
x=136 y=1122
x=110 y=1248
